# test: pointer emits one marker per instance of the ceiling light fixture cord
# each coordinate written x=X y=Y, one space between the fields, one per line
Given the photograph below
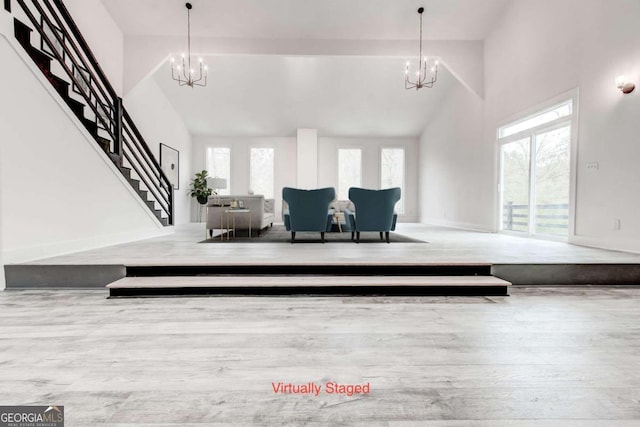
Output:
x=421 y=75
x=189 y=36
x=184 y=74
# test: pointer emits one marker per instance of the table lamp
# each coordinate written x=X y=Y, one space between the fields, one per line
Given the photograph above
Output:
x=217 y=184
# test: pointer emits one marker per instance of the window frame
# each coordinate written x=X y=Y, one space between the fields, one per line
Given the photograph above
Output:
x=273 y=184
x=228 y=189
x=404 y=174
x=338 y=149
x=573 y=122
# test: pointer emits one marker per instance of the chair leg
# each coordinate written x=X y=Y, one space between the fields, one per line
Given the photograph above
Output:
x=387 y=235
x=381 y=236
x=293 y=236
x=322 y=236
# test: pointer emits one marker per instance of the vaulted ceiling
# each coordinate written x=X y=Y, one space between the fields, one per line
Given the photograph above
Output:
x=319 y=19
x=273 y=95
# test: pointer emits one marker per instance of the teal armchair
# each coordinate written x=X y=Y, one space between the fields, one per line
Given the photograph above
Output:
x=308 y=210
x=374 y=211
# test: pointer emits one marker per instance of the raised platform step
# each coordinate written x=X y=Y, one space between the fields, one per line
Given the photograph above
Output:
x=97 y=276
x=314 y=285
x=359 y=269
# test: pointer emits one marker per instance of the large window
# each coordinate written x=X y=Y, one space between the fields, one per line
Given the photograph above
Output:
x=262 y=166
x=392 y=172
x=535 y=173
x=219 y=166
x=349 y=170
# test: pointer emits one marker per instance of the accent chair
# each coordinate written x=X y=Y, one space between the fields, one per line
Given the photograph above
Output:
x=375 y=211
x=308 y=210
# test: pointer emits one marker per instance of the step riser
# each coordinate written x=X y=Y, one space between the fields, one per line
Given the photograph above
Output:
x=315 y=291
x=24 y=276
x=329 y=270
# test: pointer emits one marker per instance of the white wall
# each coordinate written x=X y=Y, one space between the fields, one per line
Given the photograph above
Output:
x=60 y=192
x=103 y=36
x=328 y=166
x=285 y=163
x=159 y=122
x=456 y=166
x=542 y=48
x=2 y=279
x=538 y=50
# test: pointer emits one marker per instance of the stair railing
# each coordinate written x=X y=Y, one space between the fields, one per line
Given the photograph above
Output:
x=114 y=128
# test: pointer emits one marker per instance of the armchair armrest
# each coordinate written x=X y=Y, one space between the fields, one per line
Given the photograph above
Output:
x=350 y=219
x=269 y=205
x=287 y=219
x=329 y=219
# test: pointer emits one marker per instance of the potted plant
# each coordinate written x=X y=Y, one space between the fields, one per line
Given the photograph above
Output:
x=199 y=188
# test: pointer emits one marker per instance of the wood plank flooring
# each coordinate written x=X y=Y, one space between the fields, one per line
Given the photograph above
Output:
x=542 y=357
x=445 y=246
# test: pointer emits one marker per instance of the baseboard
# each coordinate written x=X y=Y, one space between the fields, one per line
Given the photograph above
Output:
x=63 y=248
x=623 y=245
x=459 y=225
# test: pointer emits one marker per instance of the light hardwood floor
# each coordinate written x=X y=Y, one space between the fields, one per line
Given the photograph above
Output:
x=445 y=246
x=542 y=357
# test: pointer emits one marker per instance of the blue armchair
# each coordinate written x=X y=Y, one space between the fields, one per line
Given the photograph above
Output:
x=374 y=211
x=308 y=210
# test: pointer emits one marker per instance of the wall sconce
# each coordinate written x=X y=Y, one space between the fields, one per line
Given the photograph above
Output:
x=624 y=85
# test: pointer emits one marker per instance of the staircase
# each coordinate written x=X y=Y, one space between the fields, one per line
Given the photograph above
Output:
x=67 y=62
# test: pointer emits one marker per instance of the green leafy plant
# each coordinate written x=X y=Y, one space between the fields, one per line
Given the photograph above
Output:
x=199 y=188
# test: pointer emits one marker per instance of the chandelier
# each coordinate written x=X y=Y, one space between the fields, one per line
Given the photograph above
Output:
x=423 y=78
x=185 y=74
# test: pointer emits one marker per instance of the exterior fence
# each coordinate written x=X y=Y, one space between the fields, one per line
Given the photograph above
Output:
x=550 y=218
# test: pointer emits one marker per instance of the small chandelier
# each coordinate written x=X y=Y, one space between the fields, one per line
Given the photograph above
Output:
x=185 y=74
x=423 y=78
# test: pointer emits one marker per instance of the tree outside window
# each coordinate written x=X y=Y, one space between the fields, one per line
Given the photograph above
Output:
x=261 y=179
x=219 y=166
x=392 y=172
x=349 y=170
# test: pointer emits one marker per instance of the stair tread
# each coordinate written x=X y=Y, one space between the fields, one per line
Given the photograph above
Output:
x=310 y=281
x=74 y=101
x=36 y=53
x=60 y=80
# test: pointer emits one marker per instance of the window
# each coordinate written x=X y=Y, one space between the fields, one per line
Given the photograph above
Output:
x=535 y=172
x=219 y=166
x=261 y=176
x=392 y=172
x=349 y=170
x=563 y=110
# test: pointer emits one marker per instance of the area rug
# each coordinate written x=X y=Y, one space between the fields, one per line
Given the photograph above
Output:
x=278 y=234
